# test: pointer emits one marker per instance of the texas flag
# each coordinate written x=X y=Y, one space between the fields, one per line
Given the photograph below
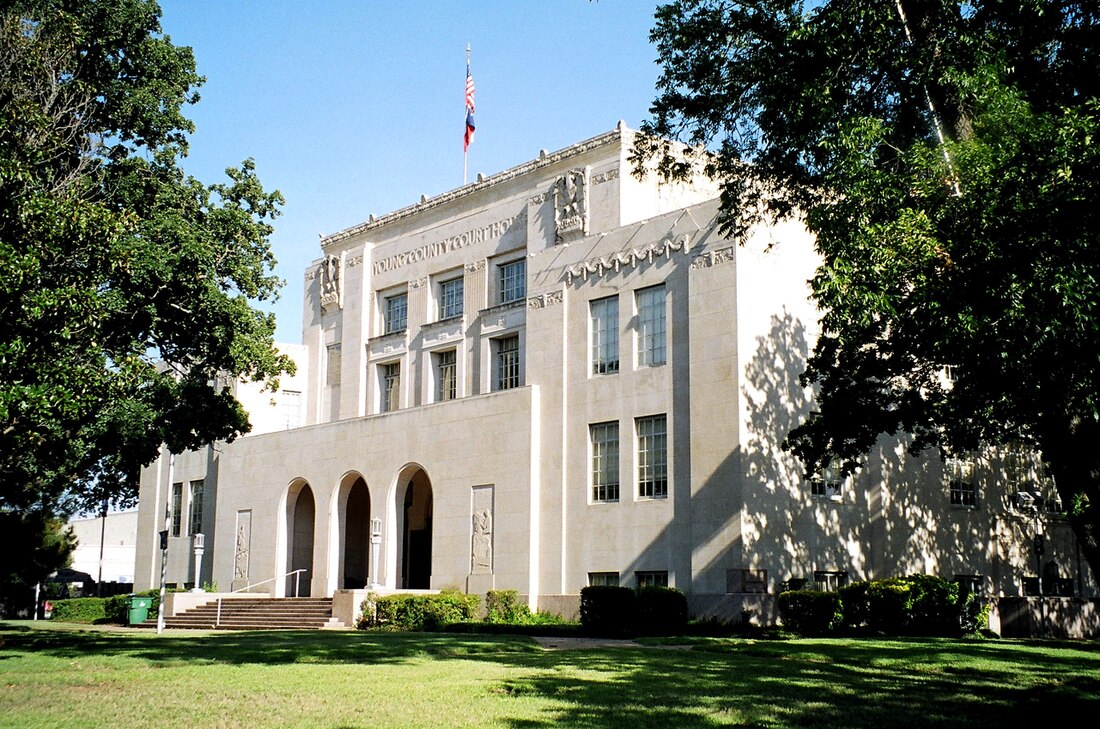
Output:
x=469 y=108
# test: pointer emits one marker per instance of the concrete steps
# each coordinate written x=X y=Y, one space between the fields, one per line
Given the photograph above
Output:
x=284 y=613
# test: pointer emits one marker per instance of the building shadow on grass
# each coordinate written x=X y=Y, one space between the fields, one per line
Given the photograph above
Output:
x=706 y=683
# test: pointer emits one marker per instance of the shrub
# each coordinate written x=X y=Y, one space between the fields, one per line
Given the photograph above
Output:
x=810 y=612
x=915 y=605
x=661 y=611
x=504 y=606
x=417 y=612
x=80 y=610
x=888 y=605
x=607 y=611
x=854 y=605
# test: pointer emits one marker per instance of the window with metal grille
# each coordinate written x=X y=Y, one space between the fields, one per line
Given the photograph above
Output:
x=391 y=387
x=446 y=373
x=651 y=326
x=652 y=457
x=651 y=578
x=603 y=579
x=396 y=313
x=604 y=438
x=196 y=507
x=507 y=362
x=605 y=335
x=962 y=486
x=829 y=483
x=177 y=508
x=450 y=298
x=511 y=281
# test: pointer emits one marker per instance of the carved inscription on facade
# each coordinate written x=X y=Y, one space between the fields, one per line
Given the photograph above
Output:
x=447 y=245
x=481 y=542
x=571 y=205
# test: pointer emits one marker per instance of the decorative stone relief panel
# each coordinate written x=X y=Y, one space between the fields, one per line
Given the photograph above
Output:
x=481 y=523
x=571 y=205
x=475 y=266
x=443 y=331
x=505 y=316
x=713 y=258
x=605 y=177
x=332 y=283
x=240 y=554
x=548 y=299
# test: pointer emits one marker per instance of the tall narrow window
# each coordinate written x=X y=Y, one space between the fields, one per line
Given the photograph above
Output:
x=507 y=364
x=512 y=281
x=397 y=312
x=605 y=461
x=450 y=298
x=652 y=457
x=332 y=365
x=651 y=326
x=196 y=506
x=391 y=387
x=446 y=376
x=290 y=408
x=962 y=487
x=605 y=335
x=177 y=508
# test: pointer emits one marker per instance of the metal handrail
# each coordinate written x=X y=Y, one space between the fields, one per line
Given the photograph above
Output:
x=296 y=573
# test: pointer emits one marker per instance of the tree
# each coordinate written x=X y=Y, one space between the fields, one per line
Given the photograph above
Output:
x=126 y=286
x=945 y=155
x=42 y=544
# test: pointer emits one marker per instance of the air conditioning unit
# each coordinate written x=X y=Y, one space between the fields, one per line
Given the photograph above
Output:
x=1028 y=501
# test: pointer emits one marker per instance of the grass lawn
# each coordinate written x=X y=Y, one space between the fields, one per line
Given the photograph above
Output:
x=72 y=676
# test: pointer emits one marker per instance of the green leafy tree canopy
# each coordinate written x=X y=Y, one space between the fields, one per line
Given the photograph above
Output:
x=126 y=286
x=945 y=156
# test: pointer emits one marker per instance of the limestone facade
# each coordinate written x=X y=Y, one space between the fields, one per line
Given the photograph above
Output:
x=564 y=375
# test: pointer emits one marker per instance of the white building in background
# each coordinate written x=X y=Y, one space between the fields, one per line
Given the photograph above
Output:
x=562 y=375
x=117 y=535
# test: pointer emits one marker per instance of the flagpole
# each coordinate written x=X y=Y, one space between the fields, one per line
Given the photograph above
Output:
x=466 y=147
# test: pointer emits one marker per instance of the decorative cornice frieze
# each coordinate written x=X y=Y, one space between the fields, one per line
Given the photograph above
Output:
x=665 y=247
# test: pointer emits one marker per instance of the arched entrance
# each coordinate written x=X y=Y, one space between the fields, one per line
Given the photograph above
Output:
x=414 y=518
x=354 y=514
x=301 y=513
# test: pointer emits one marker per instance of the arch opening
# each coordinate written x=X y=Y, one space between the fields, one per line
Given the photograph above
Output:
x=301 y=512
x=415 y=511
x=355 y=516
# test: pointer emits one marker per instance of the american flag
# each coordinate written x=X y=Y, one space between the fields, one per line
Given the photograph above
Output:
x=469 y=108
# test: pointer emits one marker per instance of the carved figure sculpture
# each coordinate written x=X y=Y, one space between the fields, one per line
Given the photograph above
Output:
x=240 y=561
x=483 y=540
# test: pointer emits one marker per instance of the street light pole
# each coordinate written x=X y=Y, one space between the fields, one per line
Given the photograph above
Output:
x=199 y=540
x=375 y=545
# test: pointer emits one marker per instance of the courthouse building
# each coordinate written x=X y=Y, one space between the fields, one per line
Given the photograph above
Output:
x=563 y=375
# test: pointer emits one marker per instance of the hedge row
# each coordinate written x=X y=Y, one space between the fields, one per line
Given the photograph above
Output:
x=417 y=612
x=92 y=610
x=620 y=612
x=913 y=605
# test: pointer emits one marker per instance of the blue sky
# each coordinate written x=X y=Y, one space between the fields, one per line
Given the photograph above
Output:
x=352 y=108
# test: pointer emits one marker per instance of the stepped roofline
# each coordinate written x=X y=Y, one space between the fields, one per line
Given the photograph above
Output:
x=545 y=159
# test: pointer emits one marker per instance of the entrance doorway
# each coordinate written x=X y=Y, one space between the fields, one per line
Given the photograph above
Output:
x=355 y=530
x=415 y=518
x=301 y=513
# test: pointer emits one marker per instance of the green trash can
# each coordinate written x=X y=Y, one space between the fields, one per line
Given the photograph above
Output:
x=139 y=608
